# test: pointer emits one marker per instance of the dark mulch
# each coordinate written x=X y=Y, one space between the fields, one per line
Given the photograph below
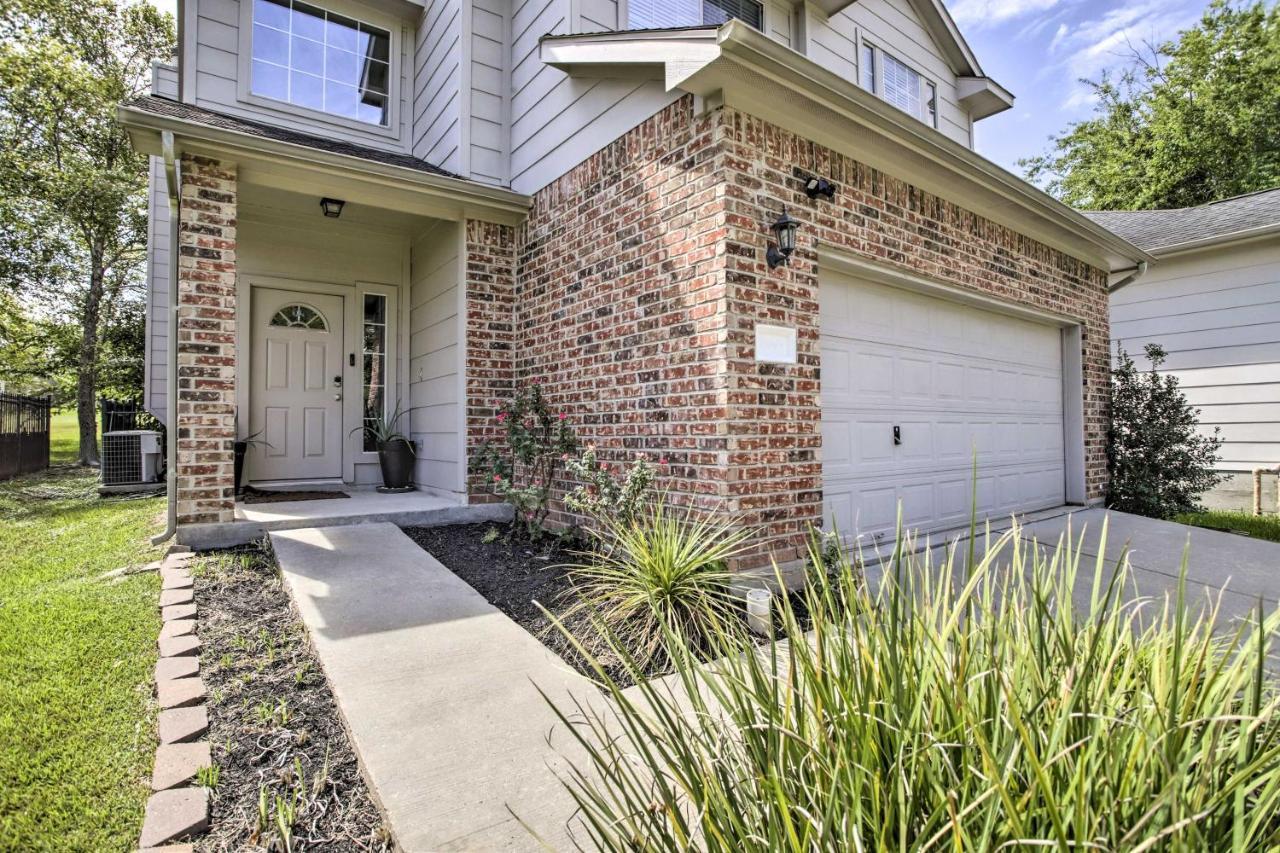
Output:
x=273 y=722
x=252 y=495
x=516 y=576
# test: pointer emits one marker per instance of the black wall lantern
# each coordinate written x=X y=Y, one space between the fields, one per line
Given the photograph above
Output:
x=332 y=207
x=784 y=230
x=816 y=186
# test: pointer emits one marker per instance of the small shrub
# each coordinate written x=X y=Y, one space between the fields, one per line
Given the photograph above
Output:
x=603 y=494
x=664 y=574
x=1159 y=463
x=952 y=708
x=522 y=467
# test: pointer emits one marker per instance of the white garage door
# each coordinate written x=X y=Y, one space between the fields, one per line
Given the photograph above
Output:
x=945 y=378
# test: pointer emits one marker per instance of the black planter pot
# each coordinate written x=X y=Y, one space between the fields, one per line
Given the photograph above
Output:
x=242 y=448
x=396 y=459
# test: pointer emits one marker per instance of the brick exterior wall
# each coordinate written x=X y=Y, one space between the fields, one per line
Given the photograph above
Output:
x=489 y=279
x=641 y=273
x=206 y=341
x=620 y=308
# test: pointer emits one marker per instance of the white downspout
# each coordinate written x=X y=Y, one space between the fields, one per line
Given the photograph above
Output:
x=171 y=341
x=1138 y=272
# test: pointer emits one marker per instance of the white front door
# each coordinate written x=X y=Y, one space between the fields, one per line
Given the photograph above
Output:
x=295 y=390
x=914 y=385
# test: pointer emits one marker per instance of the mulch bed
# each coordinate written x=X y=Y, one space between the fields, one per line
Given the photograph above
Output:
x=273 y=723
x=516 y=576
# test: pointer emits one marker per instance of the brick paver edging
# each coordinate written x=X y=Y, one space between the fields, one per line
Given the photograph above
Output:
x=178 y=808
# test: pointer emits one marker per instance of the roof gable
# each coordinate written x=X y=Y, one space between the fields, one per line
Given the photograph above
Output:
x=937 y=21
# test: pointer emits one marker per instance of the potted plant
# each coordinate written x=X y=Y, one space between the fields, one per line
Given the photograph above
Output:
x=395 y=451
x=242 y=446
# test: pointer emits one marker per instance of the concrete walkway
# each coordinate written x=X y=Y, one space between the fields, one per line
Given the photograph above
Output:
x=438 y=690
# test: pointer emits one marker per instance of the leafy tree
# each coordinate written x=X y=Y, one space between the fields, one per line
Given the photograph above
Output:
x=73 y=223
x=1191 y=121
x=1159 y=463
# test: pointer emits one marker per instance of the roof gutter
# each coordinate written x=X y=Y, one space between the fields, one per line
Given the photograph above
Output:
x=170 y=153
x=442 y=187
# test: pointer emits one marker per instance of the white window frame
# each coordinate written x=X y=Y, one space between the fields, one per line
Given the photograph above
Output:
x=927 y=84
x=392 y=25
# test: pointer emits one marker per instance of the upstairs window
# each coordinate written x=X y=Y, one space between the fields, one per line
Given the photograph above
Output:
x=898 y=83
x=312 y=58
x=662 y=14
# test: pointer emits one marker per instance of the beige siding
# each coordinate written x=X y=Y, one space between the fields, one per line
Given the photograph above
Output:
x=435 y=356
x=164 y=81
x=489 y=99
x=437 y=74
x=893 y=26
x=1217 y=314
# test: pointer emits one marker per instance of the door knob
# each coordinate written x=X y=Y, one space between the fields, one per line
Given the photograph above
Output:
x=338 y=397
x=897 y=435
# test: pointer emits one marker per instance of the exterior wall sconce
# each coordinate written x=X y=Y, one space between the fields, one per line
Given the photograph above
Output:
x=332 y=207
x=784 y=230
x=816 y=186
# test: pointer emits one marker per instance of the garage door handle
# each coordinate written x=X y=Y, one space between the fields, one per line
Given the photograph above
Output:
x=897 y=436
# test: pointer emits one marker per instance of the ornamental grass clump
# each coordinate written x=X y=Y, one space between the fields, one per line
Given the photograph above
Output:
x=658 y=578
x=966 y=705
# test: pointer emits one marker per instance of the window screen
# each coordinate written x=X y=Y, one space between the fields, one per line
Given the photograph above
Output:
x=658 y=14
x=307 y=56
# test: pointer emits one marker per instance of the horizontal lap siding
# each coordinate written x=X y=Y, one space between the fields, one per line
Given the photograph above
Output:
x=436 y=80
x=435 y=359
x=1217 y=314
x=489 y=91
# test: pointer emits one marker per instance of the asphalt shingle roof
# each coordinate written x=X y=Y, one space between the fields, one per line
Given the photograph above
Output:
x=188 y=112
x=1155 y=229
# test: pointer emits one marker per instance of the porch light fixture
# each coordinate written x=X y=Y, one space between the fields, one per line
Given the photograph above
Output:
x=332 y=207
x=816 y=186
x=784 y=230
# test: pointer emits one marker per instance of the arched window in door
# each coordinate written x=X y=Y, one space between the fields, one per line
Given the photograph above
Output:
x=299 y=316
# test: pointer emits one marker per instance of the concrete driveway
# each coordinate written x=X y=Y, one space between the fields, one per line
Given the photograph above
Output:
x=1244 y=569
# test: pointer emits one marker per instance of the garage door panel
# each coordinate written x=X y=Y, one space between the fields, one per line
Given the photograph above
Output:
x=957 y=380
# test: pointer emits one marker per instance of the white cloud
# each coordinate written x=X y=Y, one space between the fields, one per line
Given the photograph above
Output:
x=1058 y=36
x=988 y=12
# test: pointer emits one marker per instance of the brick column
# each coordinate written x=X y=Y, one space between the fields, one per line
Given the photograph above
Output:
x=206 y=341
x=489 y=277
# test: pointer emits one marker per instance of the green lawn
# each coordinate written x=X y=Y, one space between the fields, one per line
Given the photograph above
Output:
x=77 y=723
x=64 y=437
x=1257 y=526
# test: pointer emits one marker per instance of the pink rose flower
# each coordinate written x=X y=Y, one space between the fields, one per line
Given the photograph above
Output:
x=502 y=416
x=563 y=416
x=497 y=478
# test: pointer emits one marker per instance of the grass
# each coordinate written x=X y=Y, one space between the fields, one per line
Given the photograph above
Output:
x=76 y=654
x=964 y=706
x=64 y=437
x=1257 y=526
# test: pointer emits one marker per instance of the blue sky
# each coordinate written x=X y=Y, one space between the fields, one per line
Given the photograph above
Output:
x=1039 y=49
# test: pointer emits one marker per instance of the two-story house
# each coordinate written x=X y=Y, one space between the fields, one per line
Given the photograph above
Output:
x=427 y=203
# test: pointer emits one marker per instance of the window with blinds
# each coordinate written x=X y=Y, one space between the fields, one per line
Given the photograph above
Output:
x=898 y=83
x=662 y=14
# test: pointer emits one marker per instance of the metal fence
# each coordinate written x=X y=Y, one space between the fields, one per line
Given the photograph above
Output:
x=24 y=435
x=120 y=415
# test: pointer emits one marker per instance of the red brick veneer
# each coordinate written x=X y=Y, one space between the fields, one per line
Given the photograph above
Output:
x=206 y=341
x=640 y=274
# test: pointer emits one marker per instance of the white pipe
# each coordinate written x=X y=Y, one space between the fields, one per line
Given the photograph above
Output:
x=171 y=342
x=1138 y=272
x=760 y=611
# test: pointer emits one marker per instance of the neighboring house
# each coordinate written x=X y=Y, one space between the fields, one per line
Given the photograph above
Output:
x=581 y=193
x=1212 y=301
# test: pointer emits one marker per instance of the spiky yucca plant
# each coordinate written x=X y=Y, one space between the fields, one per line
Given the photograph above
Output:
x=657 y=575
x=963 y=706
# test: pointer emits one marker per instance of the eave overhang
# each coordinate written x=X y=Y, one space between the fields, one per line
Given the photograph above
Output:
x=291 y=166
x=739 y=66
x=982 y=96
